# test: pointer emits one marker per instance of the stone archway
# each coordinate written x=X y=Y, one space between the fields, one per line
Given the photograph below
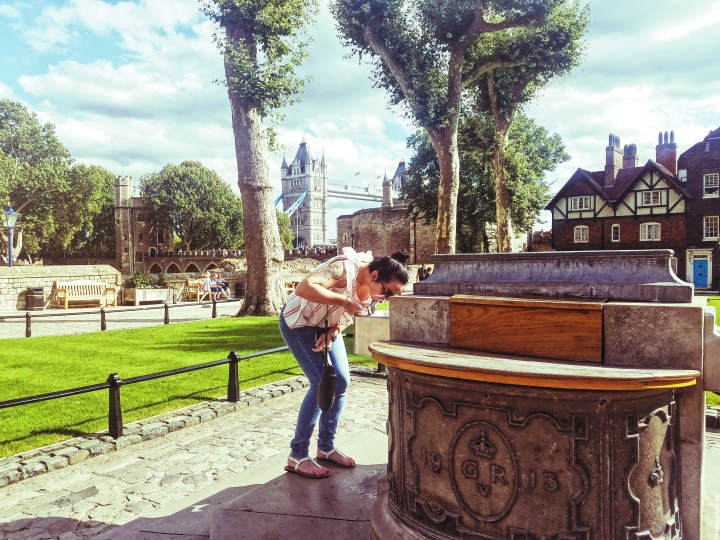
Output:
x=155 y=269
x=173 y=269
x=191 y=268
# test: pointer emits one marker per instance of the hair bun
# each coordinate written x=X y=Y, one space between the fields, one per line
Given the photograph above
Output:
x=400 y=256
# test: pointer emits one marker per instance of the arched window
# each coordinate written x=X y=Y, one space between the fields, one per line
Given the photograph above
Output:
x=615 y=233
x=650 y=232
x=582 y=234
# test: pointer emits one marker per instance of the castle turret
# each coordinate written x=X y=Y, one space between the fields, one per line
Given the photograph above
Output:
x=387 y=186
x=124 y=248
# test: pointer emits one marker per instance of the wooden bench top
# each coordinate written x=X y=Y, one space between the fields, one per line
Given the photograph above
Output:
x=525 y=371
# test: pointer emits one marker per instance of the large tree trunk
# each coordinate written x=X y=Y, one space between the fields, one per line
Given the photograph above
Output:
x=264 y=294
x=445 y=144
x=265 y=291
x=502 y=193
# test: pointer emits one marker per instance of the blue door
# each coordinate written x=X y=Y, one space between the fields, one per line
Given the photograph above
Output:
x=700 y=273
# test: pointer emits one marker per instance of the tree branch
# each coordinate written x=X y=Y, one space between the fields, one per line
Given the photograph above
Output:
x=392 y=63
x=479 y=71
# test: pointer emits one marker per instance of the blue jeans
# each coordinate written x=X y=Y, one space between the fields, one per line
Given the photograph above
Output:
x=301 y=341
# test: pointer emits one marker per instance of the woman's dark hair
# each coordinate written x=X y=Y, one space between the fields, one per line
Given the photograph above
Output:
x=393 y=267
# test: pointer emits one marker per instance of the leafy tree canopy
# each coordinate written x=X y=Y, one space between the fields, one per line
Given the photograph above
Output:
x=59 y=200
x=96 y=232
x=26 y=140
x=532 y=152
x=286 y=234
x=195 y=204
x=419 y=49
x=265 y=41
x=428 y=53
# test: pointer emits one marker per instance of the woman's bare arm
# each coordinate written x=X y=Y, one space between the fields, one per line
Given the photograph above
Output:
x=316 y=285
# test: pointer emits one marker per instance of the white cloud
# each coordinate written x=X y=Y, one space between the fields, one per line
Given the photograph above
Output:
x=6 y=10
x=136 y=23
x=689 y=24
x=6 y=92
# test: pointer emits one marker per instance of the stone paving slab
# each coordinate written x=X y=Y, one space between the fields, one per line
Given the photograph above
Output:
x=98 y=495
x=289 y=506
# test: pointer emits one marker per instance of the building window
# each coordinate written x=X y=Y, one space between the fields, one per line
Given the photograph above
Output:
x=711 y=227
x=710 y=184
x=615 y=233
x=579 y=203
x=650 y=198
x=650 y=232
x=582 y=234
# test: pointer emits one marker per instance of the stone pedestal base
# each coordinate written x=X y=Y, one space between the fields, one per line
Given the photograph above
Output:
x=383 y=525
x=475 y=459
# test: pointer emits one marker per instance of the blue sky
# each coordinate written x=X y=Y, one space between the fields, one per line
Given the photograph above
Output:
x=129 y=86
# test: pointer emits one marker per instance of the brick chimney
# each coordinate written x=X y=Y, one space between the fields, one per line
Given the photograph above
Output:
x=630 y=158
x=666 y=151
x=613 y=159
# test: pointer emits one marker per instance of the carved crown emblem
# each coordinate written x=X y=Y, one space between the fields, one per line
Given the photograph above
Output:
x=483 y=447
x=657 y=475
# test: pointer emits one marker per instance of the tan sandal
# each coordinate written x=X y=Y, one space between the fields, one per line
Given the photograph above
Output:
x=296 y=468
x=326 y=457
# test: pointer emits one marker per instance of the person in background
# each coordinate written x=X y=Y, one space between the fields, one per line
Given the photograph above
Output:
x=335 y=291
x=428 y=273
x=205 y=287
x=421 y=273
x=222 y=286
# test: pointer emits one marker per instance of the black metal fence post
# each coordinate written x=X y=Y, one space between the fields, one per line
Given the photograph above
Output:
x=28 y=325
x=115 y=423
x=103 y=323
x=214 y=311
x=167 y=314
x=233 y=390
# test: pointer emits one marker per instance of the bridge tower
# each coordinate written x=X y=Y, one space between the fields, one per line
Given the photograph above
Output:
x=309 y=222
x=124 y=234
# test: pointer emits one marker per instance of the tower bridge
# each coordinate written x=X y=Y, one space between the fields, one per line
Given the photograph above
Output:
x=356 y=193
x=307 y=177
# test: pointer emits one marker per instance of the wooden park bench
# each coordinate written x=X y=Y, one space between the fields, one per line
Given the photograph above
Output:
x=194 y=290
x=84 y=291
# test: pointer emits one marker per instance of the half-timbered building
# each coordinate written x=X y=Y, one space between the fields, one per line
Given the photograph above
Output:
x=670 y=203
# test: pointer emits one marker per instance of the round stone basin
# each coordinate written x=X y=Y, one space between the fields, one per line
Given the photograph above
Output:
x=507 y=447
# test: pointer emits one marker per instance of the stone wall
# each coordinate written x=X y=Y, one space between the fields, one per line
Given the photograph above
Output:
x=386 y=230
x=15 y=281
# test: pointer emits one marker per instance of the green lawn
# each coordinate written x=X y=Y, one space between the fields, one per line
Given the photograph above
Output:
x=47 y=364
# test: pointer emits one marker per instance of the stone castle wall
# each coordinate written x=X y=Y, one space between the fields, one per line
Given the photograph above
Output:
x=14 y=282
x=386 y=230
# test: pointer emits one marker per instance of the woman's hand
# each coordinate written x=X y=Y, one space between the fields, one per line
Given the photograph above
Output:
x=353 y=306
x=326 y=338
